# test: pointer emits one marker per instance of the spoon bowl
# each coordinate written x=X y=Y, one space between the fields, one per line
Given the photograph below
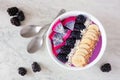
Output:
x=30 y=30
x=35 y=44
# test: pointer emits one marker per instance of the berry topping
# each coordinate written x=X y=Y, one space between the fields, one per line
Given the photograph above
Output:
x=79 y=27
x=21 y=16
x=106 y=67
x=15 y=21
x=65 y=49
x=70 y=42
x=62 y=57
x=36 y=67
x=80 y=19
x=76 y=35
x=12 y=11
x=22 y=71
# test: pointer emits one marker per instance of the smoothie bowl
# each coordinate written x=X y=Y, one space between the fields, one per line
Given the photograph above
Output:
x=76 y=40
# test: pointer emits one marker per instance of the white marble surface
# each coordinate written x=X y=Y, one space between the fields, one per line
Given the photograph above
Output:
x=13 y=47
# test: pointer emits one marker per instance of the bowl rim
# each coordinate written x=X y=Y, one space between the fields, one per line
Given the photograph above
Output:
x=103 y=33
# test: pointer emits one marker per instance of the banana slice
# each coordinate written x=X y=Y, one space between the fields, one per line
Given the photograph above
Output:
x=93 y=26
x=87 y=57
x=89 y=36
x=82 y=52
x=94 y=31
x=78 y=61
x=92 y=34
x=85 y=46
x=86 y=41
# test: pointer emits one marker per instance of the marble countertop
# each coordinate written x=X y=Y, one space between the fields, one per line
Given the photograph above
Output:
x=13 y=52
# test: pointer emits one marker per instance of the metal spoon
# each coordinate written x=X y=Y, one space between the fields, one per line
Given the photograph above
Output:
x=36 y=43
x=32 y=30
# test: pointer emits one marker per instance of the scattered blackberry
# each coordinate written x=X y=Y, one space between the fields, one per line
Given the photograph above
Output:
x=79 y=27
x=15 y=21
x=21 y=16
x=22 y=71
x=12 y=11
x=76 y=35
x=36 y=67
x=106 y=67
x=62 y=57
x=65 y=49
x=80 y=19
x=70 y=42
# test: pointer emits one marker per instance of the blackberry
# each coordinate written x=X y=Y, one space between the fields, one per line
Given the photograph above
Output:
x=21 y=16
x=76 y=35
x=36 y=67
x=70 y=42
x=106 y=67
x=62 y=57
x=71 y=45
x=65 y=49
x=15 y=21
x=81 y=19
x=79 y=27
x=12 y=11
x=22 y=71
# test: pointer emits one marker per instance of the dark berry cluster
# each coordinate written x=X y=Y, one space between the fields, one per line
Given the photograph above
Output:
x=17 y=14
x=76 y=35
x=65 y=49
x=35 y=67
x=70 y=42
x=79 y=27
x=22 y=71
x=12 y=11
x=80 y=19
x=79 y=22
x=62 y=57
x=106 y=67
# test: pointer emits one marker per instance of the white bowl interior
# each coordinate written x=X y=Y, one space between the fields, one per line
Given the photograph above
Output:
x=75 y=13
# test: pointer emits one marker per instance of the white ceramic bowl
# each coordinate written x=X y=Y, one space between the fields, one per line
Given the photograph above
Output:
x=75 y=13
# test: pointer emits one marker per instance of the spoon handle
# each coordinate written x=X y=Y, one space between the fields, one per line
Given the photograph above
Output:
x=46 y=26
x=60 y=13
